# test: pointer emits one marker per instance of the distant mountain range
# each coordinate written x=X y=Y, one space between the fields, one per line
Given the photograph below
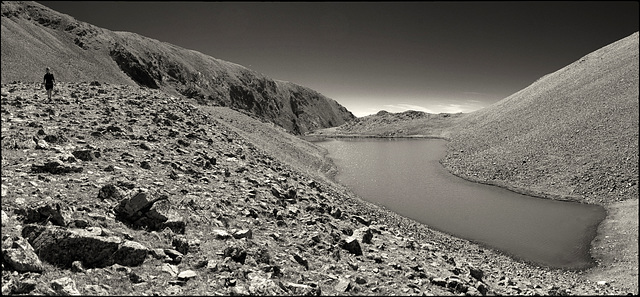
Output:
x=35 y=37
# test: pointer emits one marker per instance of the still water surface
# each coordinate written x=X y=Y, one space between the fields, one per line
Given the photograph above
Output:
x=404 y=175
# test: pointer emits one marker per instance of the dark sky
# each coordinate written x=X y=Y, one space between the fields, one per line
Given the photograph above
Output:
x=369 y=56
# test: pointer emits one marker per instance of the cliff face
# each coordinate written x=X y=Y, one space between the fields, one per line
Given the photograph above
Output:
x=35 y=37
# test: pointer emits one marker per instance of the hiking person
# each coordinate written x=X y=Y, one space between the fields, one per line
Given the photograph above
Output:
x=48 y=82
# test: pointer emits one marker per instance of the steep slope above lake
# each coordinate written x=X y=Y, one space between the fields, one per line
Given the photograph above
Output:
x=574 y=132
x=34 y=37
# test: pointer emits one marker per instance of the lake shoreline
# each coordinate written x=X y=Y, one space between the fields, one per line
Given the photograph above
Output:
x=607 y=266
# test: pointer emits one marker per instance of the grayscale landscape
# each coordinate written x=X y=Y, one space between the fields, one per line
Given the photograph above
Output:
x=160 y=170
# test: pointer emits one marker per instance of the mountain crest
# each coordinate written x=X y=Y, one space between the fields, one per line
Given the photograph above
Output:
x=35 y=37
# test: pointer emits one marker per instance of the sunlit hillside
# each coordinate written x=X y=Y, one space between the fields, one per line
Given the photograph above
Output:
x=35 y=37
x=574 y=132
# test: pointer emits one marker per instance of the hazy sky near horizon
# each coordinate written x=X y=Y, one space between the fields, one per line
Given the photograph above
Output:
x=371 y=56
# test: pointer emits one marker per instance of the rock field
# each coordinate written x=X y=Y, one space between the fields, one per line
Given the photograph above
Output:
x=120 y=190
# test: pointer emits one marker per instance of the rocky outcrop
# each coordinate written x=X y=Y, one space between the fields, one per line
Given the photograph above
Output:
x=93 y=247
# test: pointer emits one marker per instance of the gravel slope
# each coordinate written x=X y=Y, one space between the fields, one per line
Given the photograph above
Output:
x=223 y=173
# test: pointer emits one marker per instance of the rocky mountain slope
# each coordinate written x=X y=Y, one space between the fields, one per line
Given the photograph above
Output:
x=120 y=190
x=34 y=37
x=573 y=134
x=564 y=128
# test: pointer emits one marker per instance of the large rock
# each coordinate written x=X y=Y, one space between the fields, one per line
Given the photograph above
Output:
x=363 y=234
x=63 y=246
x=19 y=255
x=42 y=213
x=475 y=272
x=131 y=253
x=92 y=246
x=236 y=253
x=110 y=192
x=138 y=212
x=84 y=155
x=187 y=274
x=17 y=286
x=54 y=167
x=343 y=285
x=64 y=286
x=176 y=224
x=352 y=245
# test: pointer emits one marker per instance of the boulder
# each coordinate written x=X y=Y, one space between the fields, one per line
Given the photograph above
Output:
x=54 y=167
x=476 y=273
x=236 y=253
x=62 y=247
x=137 y=211
x=337 y=213
x=290 y=194
x=220 y=234
x=93 y=246
x=170 y=269
x=362 y=220
x=184 y=245
x=302 y=261
x=77 y=266
x=363 y=234
x=352 y=245
x=42 y=144
x=131 y=253
x=187 y=274
x=158 y=253
x=177 y=225
x=95 y=290
x=64 y=286
x=181 y=244
x=176 y=256
x=41 y=213
x=361 y=280
x=456 y=284
x=145 y=165
x=110 y=192
x=482 y=288
x=84 y=155
x=19 y=287
x=438 y=281
x=243 y=234
x=343 y=285
x=19 y=255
